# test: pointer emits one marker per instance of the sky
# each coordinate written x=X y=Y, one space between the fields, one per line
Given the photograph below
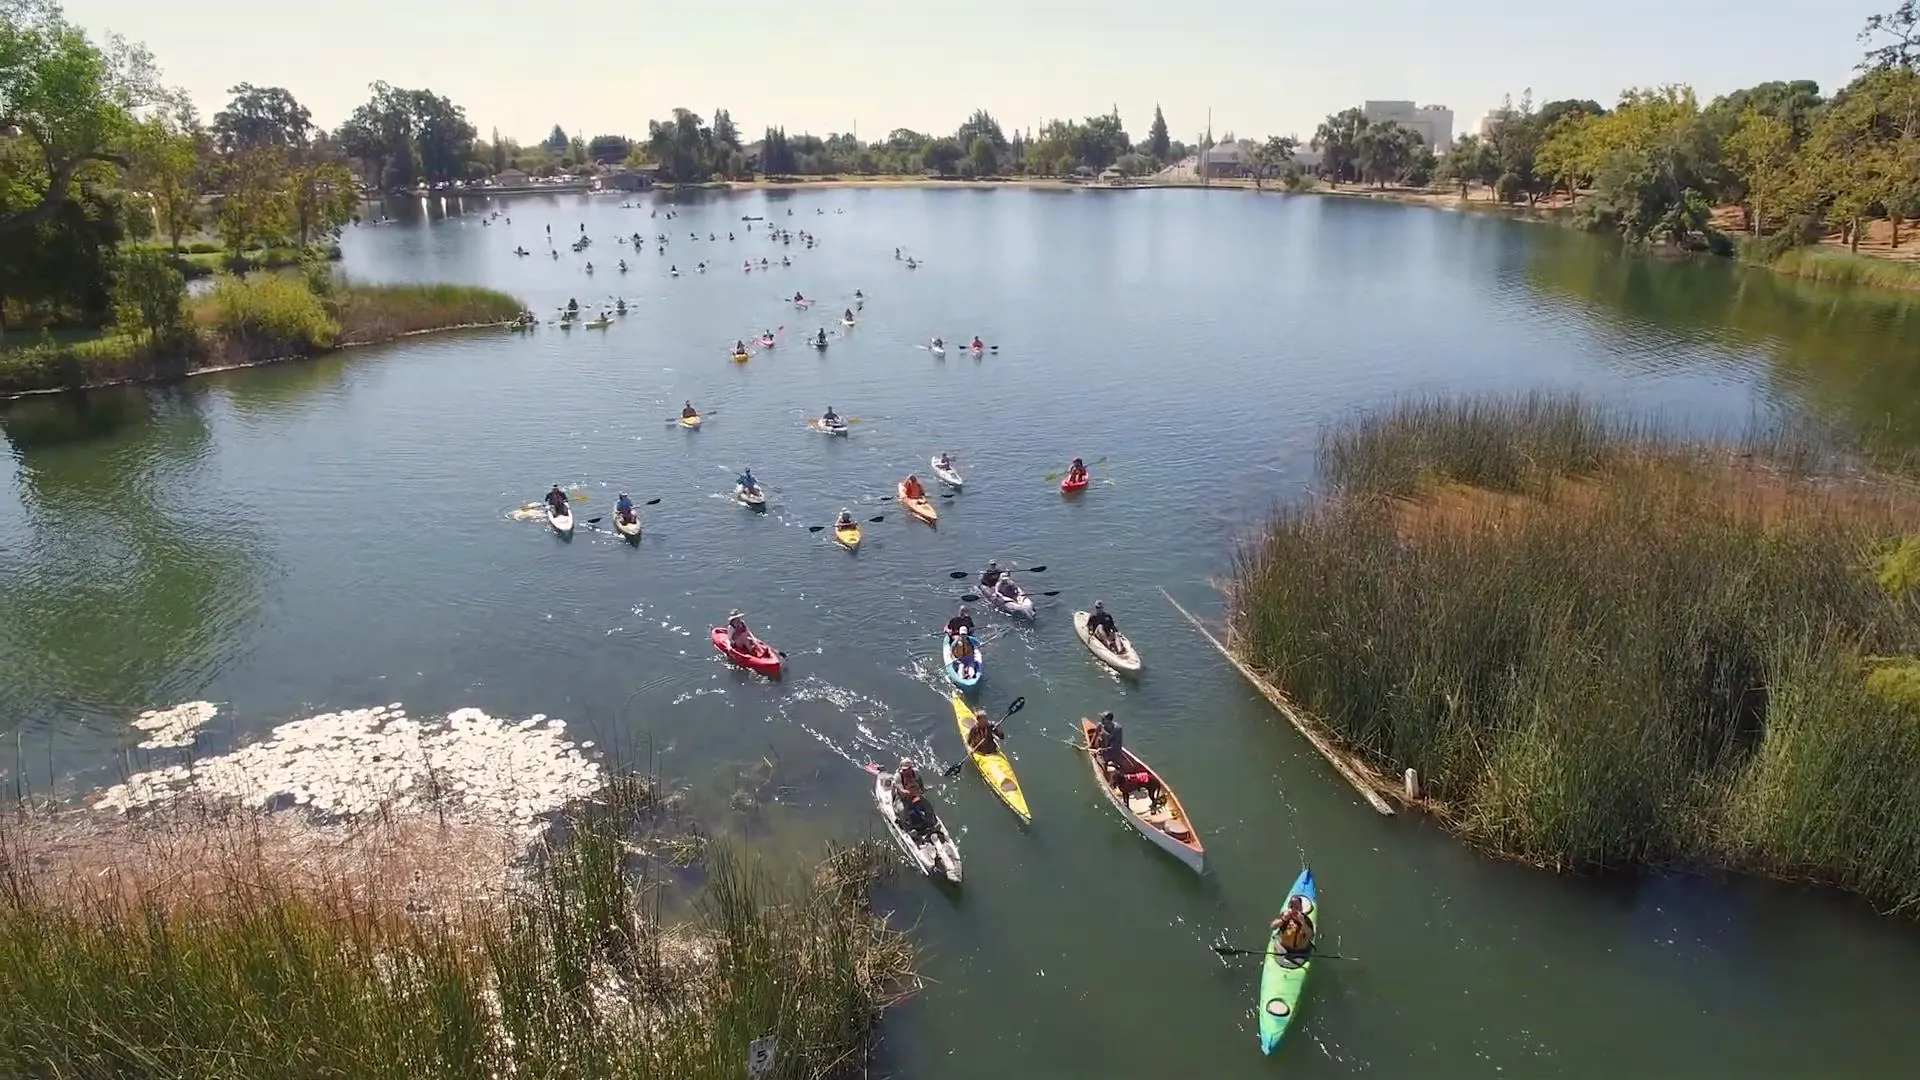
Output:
x=1264 y=67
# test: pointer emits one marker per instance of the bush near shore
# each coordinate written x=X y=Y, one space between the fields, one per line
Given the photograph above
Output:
x=1602 y=647
x=572 y=974
x=252 y=320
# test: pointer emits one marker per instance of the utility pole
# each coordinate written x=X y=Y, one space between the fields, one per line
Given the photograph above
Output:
x=1206 y=150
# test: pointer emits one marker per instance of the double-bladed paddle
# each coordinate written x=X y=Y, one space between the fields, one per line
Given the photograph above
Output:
x=974 y=598
x=877 y=519
x=1310 y=954
x=1063 y=472
x=1013 y=707
x=958 y=574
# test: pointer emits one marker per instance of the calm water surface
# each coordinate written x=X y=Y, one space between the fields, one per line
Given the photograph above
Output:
x=336 y=534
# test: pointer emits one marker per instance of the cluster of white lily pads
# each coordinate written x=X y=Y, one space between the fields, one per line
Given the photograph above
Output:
x=360 y=761
x=174 y=727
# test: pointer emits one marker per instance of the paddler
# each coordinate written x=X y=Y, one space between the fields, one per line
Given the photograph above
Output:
x=961 y=646
x=845 y=520
x=830 y=418
x=747 y=481
x=920 y=817
x=977 y=344
x=1100 y=626
x=820 y=341
x=739 y=638
x=687 y=411
x=909 y=777
x=623 y=509
x=1294 y=928
x=847 y=315
x=858 y=296
x=983 y=736
x=557 y=502
x=1008 y=591
x=913 y=489
x=938 y=344
x=1077 y=471
x=962 y=623
x=1107 y=739
x=945 y=461
x=573 y=306
x=798 y=299
x=990 y=577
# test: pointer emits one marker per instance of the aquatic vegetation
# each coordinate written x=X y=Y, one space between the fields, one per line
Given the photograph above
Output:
x=1601 y=646
x=382 y=935
x=174 y=727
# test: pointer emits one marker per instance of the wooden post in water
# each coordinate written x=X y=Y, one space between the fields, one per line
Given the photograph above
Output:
x=1340 y=761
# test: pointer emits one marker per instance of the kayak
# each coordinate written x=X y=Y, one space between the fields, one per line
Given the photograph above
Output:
x=931 y=849
x=818 y=344
x=755 y=499
x=1127 y=659
x=741 y=357
x=630 y=530
x=1163 y=820
x=764 y=660
x=994 y=767
x=847 y=535
x=937 y=350
x=1068 y=487
x=690 y=421
x=1021 y=605
x=846 y=322
x=947 y=474
x=825 y=428
x=920 y=508
x=1283 y=977
x=562 y=523
x=599 y=324
x=956 y=674
x=766 y=343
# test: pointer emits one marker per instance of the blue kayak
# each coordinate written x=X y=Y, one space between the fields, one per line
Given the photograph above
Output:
x=965 y=677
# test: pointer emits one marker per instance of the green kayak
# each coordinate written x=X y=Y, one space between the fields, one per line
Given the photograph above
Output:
x=1283 y=977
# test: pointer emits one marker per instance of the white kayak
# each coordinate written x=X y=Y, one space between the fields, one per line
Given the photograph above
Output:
x=1127 y=659
x=948 y=475
x=932 y=850
x=1021 y=604
x=562 y=523
x=757 y=497
x=628 y=529
x=937 y=350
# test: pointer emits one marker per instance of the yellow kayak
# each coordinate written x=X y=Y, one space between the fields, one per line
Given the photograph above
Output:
x=994 y=767
x=848 y=535
x=690 y=421
x=921 y=508
x=742 y=357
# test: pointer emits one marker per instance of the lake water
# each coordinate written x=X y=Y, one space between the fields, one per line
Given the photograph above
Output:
x=336 y=534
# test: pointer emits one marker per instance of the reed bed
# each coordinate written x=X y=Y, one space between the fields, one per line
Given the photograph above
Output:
x=1838 y=267
x=369 y=313
x=1602 y=646
x=571 y=973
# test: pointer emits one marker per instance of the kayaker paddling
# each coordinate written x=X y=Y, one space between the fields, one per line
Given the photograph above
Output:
x=557 y=502
x=1293 y=930
x=831 y=419
x=990 y=577
x=747 y=483
x=687 y=411
x=739 y=638
x=913 y=488
x=845 y=520
x=961 y=623
x=623 y=509
x=1077 y=472
x=983 y=735
x=960 y=648
x=1100 y=626
x=820 y=340
x=909 y=778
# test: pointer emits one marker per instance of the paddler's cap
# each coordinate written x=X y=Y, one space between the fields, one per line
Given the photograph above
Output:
x=994 y=565
x=1106 y=716
x=1099 y=605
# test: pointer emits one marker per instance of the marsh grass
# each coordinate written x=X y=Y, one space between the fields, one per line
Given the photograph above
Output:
x=369 y=313
x=1604 y=647
x=1839 y=267
x=571 y=973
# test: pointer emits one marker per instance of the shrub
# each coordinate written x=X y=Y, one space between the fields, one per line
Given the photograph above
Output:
x=273 y=307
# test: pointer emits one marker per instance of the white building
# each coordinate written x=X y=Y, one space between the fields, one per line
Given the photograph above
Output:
x=1434 y=123
x=1493 y=119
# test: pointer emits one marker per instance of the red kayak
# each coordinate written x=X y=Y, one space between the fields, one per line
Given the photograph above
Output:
x=764 y=660
x=1070 y=485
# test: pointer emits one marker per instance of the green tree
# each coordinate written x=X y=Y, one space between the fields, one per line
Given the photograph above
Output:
x=262 y=116
x=604 y=148
x=557 y=141
x=1384 y=152
x=683 y=146
x=1103 y=139
x=980 y=125
x=149 y=296
x=1514 y=139
x=60 y=267
x=254 y=205
x=1273 y=157
x=941 y=156
x=776 y=154
x=1338 y=141
x=1468 y=162
x=321 y=198
x=164 y=160
x=982 y=159
x=1761 y=152
x=497 y=150
x=72 y=102
x=1159 y=147
x=724 y=134
x=1569 y=108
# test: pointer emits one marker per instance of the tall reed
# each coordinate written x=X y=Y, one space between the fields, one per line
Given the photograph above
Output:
x=1653 y=652
x=572 y=977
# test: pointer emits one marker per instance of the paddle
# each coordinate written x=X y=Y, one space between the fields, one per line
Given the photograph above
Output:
x=974 y=598
x=1311 y=954
x=958 y=574
x=1063 y=472
x=930 y=495
x=875 y=520
x=1013 y=707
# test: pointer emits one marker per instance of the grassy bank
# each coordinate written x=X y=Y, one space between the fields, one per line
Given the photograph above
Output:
x=244 y=321
x=1602 y=647
x=118 y=974
x=201 y=259
x=1837 y=266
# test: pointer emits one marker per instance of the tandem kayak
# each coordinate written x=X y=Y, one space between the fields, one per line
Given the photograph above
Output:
x=562 y=523
x=1284 y=976
x=994 y=768
x=628 y=529
x=756 y=498
x=1125 y=659
x=848 y=536
x=921 y=508
x=1154 y=811
x=762 y=659
x=947 y=474
x=966 y=676
x=931 y=848
x=1069 y=486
